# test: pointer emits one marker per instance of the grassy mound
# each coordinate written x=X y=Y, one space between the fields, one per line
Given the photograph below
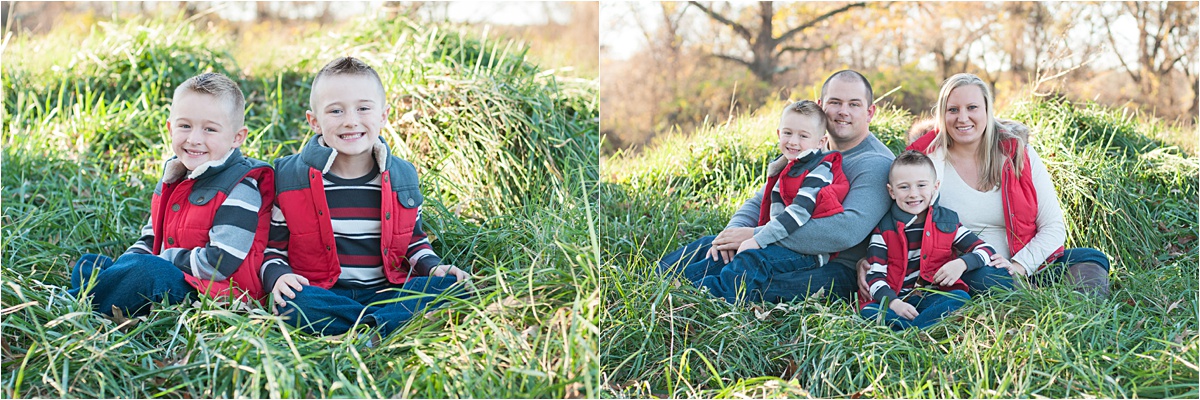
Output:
x=507 y=158
x=1124 y=190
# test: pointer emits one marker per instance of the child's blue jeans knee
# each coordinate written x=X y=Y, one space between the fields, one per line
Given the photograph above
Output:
x=131 y=283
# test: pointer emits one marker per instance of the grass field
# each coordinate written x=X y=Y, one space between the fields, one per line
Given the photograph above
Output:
x=507 y=154
x=1127 y=189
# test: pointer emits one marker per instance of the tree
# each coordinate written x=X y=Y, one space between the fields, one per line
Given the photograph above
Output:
x=1165 y=37
x=766 y=49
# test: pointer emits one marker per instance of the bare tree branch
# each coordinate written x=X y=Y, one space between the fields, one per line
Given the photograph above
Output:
x=739 y=28
x=1116 y=50
x=787 y=35
x=732 y=58
x=794 y=49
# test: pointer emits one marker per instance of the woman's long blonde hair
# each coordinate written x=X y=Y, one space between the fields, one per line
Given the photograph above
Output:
x=990 y=157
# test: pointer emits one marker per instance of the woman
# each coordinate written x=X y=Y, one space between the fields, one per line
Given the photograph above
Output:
x=1001 y=190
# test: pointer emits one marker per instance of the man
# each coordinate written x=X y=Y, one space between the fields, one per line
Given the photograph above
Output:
x=847 y=100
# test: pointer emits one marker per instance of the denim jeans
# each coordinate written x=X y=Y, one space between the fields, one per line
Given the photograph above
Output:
x=132 y=283
x=985 y=278
x=335 y=310
x=772 y=274
x=930 y=308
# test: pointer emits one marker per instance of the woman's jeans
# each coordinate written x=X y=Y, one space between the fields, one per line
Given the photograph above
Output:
x=985 y=278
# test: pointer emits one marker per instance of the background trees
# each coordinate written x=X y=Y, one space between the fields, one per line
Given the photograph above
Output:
x=698 y=63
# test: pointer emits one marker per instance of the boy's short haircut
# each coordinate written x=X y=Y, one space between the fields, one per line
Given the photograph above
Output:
x=808 y=108
x=221 y=87
x=344 y=66
x=911 y=157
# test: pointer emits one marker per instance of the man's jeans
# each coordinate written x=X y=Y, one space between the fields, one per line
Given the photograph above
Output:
x=772 y=274
x=930 y=308
x=132 y=283
x=335 y=310
x=983 y=279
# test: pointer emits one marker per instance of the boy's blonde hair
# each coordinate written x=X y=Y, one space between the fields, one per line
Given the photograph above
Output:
x=990 y=157
x=344 y=66
x=808 y=108
x=221 y=87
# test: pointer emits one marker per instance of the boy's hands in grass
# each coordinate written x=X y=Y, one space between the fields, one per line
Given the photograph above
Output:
x=903 y=309
x=447 y=269
x=950 y=272
x=284 y=287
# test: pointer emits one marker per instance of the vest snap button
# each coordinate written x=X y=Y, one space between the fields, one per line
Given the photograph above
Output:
x=320 y=212
x=201 y=199
x=410 y=202
x=170 y=240
x=174 y=207
x=327 y=248
x=387 y=215
x=385 y=251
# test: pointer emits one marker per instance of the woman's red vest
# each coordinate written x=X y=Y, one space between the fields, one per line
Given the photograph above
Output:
x=312 y=250
x=1018 y=194
x=182 y=214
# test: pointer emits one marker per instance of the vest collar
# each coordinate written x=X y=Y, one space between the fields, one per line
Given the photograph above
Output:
x=319 y=155
x=175 y=171
x=776 y=166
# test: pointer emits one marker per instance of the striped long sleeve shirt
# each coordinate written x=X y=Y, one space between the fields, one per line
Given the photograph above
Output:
x=229 y=239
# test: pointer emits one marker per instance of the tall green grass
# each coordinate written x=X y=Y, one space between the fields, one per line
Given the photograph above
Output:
x=505 y=150
x=1125 y=191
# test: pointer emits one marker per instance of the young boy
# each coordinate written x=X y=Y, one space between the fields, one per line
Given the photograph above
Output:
x=346 y=238
x=914 y=246
x=804 y=183
x=209 y=216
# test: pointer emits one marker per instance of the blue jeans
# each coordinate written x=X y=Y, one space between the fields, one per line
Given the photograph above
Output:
x=335 y=310
x=985 y=278
x=132 y=283
x=772 y=274
x=930 y=308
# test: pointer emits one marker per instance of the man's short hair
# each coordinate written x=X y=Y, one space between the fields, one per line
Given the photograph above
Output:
x=849 y=74
x=911 y=157
x=221 y=87
x=808 y=108
x=344 y=66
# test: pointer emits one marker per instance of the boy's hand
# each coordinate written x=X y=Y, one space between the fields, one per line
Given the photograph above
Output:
x=748 y=244
x=284 y=286
x=863 y=268
x=447 y=269
x=904 y=310
x=950 y=272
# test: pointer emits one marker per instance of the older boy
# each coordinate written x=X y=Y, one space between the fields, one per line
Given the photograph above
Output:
x=914 y=247
x=802 y=184
x=346 y=237
x=208 y=217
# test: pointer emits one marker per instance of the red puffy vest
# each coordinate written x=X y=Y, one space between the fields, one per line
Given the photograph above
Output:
x=312 y=251
x=1018 y=195
x=937 y=247
x=829 y=199
x=182 y=214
